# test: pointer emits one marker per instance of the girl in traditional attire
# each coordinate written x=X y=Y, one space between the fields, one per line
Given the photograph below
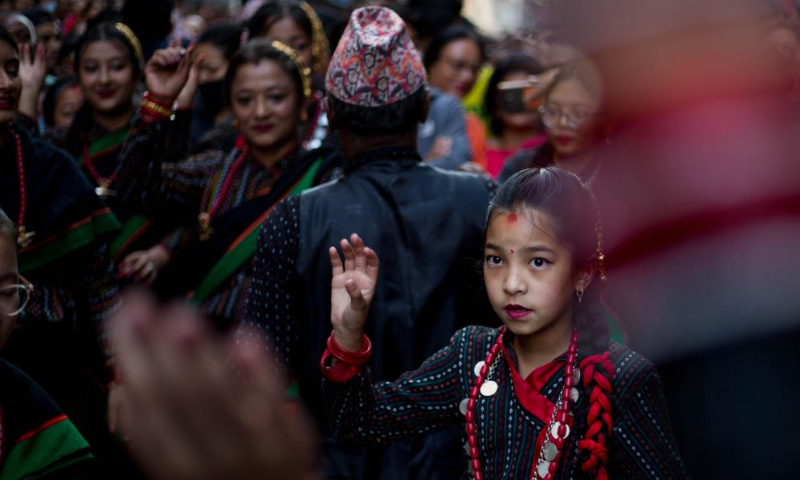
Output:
x=296 y=24
x=63 y=231
x=545 y=396
x=221 y=197
x=109 y=66
x=36 y=439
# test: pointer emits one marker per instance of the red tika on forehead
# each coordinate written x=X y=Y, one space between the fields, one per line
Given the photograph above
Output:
x=512 y=218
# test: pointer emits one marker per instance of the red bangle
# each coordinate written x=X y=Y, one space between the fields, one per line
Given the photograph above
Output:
x=340 y=372
x=152 y=115
x=361 y=357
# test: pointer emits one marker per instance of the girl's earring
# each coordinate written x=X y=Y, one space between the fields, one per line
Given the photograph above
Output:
x=579 y=293
x=236 y=122
x=303 y=115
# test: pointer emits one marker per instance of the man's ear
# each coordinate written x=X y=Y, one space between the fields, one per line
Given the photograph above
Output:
x=333 y=120
x=426 y=106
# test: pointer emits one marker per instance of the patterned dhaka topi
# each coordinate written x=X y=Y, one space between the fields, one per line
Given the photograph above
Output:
x=375 y=63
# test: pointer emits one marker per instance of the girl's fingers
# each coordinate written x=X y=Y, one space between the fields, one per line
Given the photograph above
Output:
x=198 y=62
x=358 y=247
x=373 y=263
x=357 y=301
x=158 y=59
x=185 y=58
x=336 y=261
x=127 y=265
x=349 y=255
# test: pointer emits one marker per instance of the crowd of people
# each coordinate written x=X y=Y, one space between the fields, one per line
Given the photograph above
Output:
x=299 y=240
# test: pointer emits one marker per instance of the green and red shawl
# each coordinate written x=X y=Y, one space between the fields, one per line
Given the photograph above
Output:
x=61 y=205
x=36 y=439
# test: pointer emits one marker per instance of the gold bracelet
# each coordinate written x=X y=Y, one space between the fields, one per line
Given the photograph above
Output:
x=156 y=108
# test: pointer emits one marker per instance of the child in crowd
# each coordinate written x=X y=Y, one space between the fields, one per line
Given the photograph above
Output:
x=545 y=396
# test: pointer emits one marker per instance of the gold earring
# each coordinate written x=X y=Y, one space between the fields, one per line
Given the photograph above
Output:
x=303 y=115
x=236 y=122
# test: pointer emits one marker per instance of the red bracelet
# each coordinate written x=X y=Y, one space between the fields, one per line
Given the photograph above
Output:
x=358 y=358
x=340 y=372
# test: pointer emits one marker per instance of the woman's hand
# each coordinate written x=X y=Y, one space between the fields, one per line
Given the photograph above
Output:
x=143 y=266
x=352 y=290
x=189 y=90
x=167 y=72
x=32 y=72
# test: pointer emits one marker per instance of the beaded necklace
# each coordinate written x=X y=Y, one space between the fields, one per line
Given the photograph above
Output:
x=547 y=458
x=24 y=238
x=204 y=219
x=103 y=191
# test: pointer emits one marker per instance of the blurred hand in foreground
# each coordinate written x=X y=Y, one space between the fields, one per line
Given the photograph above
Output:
x=200 y=407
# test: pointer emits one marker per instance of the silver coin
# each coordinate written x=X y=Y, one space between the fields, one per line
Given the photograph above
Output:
x=576 y=376
x=543 y=469
x=574 y=395
x=478 y=367
x=549 y=451
x=554 y=431
x=489 y=388
x=462 y=407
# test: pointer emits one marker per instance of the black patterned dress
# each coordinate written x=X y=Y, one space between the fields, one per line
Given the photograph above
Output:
x=510 y=424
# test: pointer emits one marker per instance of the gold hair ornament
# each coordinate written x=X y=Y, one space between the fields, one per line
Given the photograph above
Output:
x=132 y=40
x=319 y=41
x=305 y=72
x=601 y=258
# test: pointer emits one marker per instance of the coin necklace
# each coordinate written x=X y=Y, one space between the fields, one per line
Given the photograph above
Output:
x=558 y=430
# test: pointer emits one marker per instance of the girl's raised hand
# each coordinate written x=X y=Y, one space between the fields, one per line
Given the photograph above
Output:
x=187 y=94
x=167 y=71
x=352 y=290
x=32 y=66
x=32 y=72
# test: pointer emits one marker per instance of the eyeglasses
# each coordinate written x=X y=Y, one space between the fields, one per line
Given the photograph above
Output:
x=575 y=118
x=14 y=298
x=459 y=65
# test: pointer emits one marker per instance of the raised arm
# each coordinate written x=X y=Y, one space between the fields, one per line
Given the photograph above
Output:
x=32 y=72
x=159 y=137
x=352 y=290
x=418 y=402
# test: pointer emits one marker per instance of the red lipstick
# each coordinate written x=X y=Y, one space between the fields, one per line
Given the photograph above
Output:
x=263 y=128
x=106 y=93
x=6 y=103
x=517 y=312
